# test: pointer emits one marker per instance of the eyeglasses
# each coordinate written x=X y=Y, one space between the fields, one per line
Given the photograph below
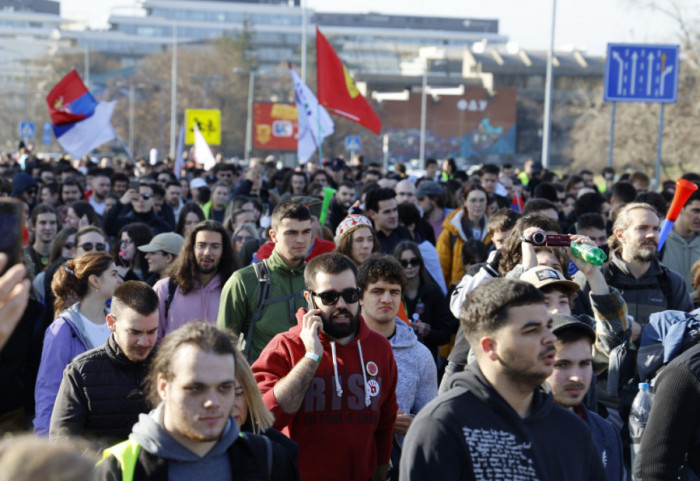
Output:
x=242 y=238
x=330 y=298
x=125 y=242
x=406 y=263
x=88 y=246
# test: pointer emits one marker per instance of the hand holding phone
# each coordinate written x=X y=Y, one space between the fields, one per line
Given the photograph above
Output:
x=311 y=326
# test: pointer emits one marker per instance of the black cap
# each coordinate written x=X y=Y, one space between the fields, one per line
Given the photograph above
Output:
x=562 y=322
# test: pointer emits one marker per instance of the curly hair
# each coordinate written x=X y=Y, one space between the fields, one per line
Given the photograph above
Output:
x=511 y=251
x=380 y=266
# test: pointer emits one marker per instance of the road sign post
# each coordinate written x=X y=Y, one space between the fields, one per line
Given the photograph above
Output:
x=27 y=130
x=641 y=73
x=353 y=143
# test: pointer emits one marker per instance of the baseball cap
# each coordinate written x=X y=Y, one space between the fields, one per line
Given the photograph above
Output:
x=428 y=188
x=314 y=204
x=544 y=276
x=562 y=322
x=169 y=242
x=198 y=183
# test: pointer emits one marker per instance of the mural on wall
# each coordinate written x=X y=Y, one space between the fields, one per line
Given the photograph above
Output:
x=466 y=126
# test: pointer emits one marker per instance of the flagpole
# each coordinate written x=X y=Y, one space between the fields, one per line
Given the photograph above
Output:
x=318 y=116
x=128 y=153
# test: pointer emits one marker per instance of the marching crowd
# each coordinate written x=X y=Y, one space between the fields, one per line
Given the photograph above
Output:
x=338 y=321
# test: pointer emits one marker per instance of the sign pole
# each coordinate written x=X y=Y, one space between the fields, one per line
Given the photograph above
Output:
x=658 y=146
x=612 y=135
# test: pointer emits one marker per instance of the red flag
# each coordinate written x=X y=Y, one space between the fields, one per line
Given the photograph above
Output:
x=337 y=91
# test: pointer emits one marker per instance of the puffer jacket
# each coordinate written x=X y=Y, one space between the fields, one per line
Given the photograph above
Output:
x=450 y=243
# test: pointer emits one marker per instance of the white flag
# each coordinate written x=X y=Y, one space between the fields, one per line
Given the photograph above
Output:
x=314 y=122
x=202 y=152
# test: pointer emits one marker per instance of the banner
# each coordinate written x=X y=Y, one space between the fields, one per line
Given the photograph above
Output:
x=275 y=126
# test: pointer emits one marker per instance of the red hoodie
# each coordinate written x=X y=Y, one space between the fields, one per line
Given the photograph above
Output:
x=321 y=246
x=340 y=436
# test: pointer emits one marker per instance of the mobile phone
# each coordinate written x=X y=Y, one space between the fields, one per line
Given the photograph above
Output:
x=134 y=185
x=11 y=228
x=312 y=304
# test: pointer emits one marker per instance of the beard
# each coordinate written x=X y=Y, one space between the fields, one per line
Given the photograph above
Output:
x=645 y=253
x=339 y=331
x=207 y=270
x=521 y=374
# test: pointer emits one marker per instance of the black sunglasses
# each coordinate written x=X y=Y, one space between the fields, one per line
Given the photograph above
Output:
x=145 y=196
x=330 y=298
x=88 y=246
x=410 y=262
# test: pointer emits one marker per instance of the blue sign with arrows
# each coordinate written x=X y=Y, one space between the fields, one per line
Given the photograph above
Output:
x=641 y=73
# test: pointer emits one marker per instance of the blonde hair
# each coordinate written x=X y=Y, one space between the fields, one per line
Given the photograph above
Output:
x=28 y=458
x=260 y=417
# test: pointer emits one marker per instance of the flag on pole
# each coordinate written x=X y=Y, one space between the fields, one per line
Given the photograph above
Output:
x=337 y=90
x=80 y=123
x=202 y=152
x=314 y=122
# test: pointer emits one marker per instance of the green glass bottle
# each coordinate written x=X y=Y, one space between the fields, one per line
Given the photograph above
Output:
x=588 y=253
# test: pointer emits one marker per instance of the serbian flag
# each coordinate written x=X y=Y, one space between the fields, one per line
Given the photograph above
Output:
x=314 y=122
x=337 y=90
x=517 y=205
x=80 y=123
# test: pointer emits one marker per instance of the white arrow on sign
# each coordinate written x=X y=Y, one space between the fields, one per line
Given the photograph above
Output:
x=650 y=66
x=633 y=77
x=617 y=57
x=668 y=70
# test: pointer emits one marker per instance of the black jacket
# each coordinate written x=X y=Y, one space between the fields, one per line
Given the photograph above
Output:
x=472 y=433
x=248 y=456
x=433 y=309
x=670 y=440
x=121 y=215
x=100 y=395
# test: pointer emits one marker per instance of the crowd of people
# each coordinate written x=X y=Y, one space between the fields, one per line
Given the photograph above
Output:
x=340 y=321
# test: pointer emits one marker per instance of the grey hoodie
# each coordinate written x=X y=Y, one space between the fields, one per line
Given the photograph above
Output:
x=183 y=464
x=417 y=384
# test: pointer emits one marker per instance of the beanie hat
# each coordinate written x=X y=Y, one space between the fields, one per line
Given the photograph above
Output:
x=349 y=224
x=21 y=182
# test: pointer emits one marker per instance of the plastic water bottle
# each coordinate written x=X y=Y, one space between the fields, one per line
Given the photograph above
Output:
x=588 y=253
x=639 y=415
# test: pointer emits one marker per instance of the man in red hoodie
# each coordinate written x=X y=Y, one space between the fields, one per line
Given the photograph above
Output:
x=331 y=381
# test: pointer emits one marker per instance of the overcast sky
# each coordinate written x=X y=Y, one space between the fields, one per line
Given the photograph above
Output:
x=583 y=24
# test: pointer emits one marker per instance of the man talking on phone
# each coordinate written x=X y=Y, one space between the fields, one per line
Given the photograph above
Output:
x=331 y=381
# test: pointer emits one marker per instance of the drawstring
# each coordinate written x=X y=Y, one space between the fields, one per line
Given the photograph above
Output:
x=364 y=375
x=338 y=389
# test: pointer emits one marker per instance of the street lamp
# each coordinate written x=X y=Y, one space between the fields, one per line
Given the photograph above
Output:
x=548 y=93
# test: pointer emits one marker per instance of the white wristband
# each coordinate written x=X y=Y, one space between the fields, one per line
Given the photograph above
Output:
x=313 y=356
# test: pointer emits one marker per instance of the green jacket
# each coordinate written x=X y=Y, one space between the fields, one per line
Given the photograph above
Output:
x=240 y=295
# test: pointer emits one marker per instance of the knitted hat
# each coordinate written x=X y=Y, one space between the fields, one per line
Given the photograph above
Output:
x=349 y=224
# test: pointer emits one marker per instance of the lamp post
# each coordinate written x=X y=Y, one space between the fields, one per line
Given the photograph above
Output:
x=548 y=94
x=249 y=118
x=426 y=54
x=173 y=96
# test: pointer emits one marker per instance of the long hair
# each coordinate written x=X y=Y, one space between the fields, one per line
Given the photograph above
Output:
x=183 y=270
x=512 y=251
x=140 y=234
x=260 y=418
x=423 y=273
x=72 y=278
x=59 y=242
x=345 y=243
x=186 y=209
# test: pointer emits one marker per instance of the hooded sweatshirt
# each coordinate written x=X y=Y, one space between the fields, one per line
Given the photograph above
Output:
x=472 y=433
x=349 y=410
x=64 y=339
x=183 y=464
x=417 y=384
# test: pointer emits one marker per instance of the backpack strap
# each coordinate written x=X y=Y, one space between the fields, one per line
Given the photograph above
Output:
x=172 y=287
x=262 y=272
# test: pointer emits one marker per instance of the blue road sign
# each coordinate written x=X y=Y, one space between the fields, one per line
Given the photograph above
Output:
x=27 y=130
x=47 y=133
x=641 y=73
x=353 y=143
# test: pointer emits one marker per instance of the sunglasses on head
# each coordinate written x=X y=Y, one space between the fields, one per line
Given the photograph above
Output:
x=88 y=246
x=330 y=298
x=410 y=262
